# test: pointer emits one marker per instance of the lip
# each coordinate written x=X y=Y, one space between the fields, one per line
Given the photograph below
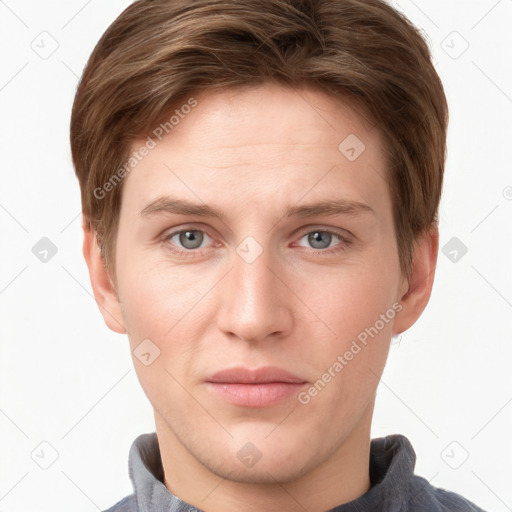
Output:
x=263 y=375
x=261 y=387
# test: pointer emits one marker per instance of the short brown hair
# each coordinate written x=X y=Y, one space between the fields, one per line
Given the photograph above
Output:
x=157 y=53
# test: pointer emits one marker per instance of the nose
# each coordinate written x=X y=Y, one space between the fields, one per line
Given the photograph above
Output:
x=256 y=301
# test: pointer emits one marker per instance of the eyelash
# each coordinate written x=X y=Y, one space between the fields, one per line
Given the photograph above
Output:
x=344 y=242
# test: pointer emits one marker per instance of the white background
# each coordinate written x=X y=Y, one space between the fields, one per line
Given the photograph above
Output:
x=68 y=381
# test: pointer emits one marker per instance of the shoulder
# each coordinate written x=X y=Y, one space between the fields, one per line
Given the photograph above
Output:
x=426 y=498
x=128 y=504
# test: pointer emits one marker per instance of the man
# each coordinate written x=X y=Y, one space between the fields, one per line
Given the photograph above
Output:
x=260 y=183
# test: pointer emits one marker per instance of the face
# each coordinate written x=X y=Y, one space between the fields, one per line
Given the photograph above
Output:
x=256 y=255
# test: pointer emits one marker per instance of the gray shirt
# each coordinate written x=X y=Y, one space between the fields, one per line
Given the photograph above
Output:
x=394 y=487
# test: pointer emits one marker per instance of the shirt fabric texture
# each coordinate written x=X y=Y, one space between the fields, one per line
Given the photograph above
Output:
x=393 y=485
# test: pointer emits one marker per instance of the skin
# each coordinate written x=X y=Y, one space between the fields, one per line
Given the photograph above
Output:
x=251 y=154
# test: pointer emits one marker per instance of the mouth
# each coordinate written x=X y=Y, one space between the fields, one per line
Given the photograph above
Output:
x=261 y=387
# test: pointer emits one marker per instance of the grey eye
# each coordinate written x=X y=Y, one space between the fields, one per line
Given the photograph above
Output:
x=319 y=239
x=191 y=239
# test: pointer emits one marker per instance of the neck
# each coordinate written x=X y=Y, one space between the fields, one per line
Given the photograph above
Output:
x=341 y=478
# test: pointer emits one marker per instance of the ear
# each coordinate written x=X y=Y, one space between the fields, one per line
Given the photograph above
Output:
x=102 y=285
x=415 y=294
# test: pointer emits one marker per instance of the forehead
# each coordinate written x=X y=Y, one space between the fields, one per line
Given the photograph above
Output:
x=261 y=143
x=317 y=117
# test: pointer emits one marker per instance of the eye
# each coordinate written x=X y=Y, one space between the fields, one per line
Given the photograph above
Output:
x=323 y=239
x=188 y=239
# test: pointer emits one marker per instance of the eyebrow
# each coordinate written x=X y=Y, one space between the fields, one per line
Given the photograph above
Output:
x=169 y=204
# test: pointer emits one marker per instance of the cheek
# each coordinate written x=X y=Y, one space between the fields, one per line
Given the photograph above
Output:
x=155 y=297
x=353 y=299
x=358 y=306
x=168 y=306
x=158 y=312
x=347 y=367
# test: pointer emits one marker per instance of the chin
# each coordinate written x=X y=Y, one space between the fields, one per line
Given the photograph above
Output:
x=264 y=472
x=278 y=459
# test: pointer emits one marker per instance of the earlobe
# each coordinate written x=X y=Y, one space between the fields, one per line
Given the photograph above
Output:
x=414 y=297
x=102 y=285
